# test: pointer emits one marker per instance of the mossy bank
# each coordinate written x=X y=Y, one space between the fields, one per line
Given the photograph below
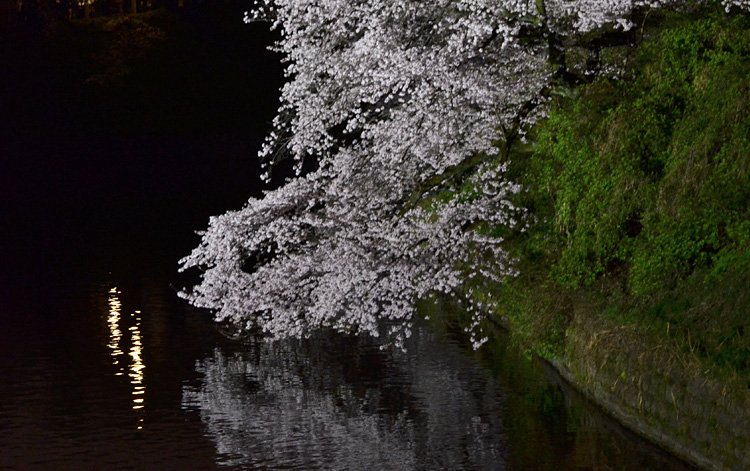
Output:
x=635 y=264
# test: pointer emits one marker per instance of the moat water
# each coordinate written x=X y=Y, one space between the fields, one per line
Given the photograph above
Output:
x=102 y=366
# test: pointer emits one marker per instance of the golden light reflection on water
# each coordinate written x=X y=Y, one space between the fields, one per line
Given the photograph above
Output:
x=134 y=360
x=113 y=321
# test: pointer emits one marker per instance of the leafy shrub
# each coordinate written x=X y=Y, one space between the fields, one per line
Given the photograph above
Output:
x=651 y=175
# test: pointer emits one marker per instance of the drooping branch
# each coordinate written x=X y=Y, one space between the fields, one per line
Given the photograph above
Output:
x=395 y=101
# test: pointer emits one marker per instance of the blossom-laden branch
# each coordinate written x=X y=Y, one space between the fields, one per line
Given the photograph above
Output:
x=393 y=100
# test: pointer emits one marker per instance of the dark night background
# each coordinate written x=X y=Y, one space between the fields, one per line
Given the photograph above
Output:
x=119 y=137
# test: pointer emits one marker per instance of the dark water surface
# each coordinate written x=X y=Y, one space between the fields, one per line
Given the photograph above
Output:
x=103 y=367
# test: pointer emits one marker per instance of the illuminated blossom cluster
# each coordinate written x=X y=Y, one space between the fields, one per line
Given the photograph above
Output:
x=403 y=108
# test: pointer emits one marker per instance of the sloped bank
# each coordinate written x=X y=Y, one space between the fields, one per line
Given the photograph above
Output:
x=635 y=271
x=662 y=395
x=659 y=394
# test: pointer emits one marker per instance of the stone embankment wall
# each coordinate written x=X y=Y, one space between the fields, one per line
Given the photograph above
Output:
x=661 y=394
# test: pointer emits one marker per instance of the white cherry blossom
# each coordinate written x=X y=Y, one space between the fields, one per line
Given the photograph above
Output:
x=403 y=106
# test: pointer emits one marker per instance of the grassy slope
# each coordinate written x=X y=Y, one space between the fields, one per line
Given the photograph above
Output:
x=637 y=271
x=642 y=190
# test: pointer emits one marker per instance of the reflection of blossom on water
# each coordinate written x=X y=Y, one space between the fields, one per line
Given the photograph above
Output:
x=310 y=405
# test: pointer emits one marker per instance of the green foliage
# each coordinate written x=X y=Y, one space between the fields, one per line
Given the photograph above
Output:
x=641 y=190
x=652 y=174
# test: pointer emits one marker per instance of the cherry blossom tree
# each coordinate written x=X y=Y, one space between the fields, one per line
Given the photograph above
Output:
x=404 y=110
